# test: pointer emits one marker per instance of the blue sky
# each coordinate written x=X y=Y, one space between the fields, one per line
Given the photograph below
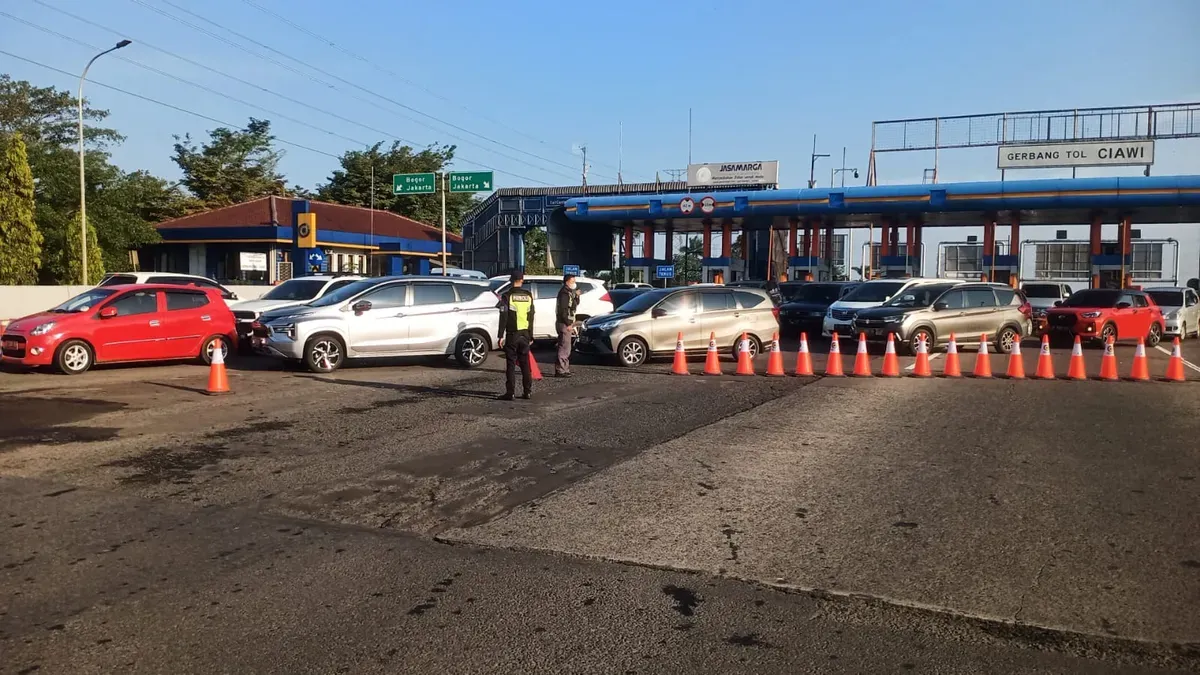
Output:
x=762 y=76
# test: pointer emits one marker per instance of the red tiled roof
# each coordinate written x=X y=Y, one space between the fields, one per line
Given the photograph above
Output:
x=337 y=217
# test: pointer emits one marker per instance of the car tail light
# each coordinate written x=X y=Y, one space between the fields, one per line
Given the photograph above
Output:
x=1026 y=309
x=606 y=297
x=775 y=311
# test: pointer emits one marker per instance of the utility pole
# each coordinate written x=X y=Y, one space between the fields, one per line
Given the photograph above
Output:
x=83 y=231
x=843 y=170
x=812 y=168
x=689 y=135
x=445 y=186
x=620 y=150
x=583 y=151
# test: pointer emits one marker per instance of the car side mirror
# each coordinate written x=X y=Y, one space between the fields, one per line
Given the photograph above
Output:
x=1123 y=305
x=108 y=312
x=234 y=296
x=361 y=306
x=658 y=313
x=941 y=306
x=1058 y=303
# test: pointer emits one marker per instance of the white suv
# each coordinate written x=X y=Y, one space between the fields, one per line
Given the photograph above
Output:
x=172 y=278
x=385 y=317
x=839 y=317
x=290 y=293
x=593 y=299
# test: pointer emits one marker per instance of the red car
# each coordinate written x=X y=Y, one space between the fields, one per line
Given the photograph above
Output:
x=112 y=324
x=1100 y=313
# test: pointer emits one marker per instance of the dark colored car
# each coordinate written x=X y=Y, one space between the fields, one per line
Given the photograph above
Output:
x=1100 y=313
x=805 y=304
x=620 y=296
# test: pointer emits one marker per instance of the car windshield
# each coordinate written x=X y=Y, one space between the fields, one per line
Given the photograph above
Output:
x=83 y=302
x=344 y=293
x=1167 y=298
x=816 y=293
x=919 y=296
x=645 y=301
x=1041 y=291
x=296 y=289
x=874 y=292
x=1094 y=297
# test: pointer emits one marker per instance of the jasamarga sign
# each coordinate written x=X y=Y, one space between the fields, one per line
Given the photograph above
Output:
x=1060 y=155
x=725 y=174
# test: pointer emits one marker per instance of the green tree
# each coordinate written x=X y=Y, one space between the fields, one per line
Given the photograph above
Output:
x=20 y=238
x=71 y=254
x=351 y=184
x=234 y=166
x=124 y=213
x=536 y=244
x=687 y=261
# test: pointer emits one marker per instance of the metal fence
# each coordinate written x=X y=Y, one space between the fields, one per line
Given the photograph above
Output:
x=1176 y=120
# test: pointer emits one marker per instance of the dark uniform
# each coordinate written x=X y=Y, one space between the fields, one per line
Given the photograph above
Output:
x=516 y=329
x=564 y=323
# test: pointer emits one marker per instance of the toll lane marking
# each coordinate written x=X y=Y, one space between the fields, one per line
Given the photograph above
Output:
x=931 y=358
x=1187 y=363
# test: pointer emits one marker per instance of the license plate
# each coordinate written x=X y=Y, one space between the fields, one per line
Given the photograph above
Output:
x=876 y=332
x=259 y=342
x=10 y=344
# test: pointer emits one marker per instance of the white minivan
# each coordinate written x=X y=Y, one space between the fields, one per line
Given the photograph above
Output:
x=594 y=300
x=840 y=316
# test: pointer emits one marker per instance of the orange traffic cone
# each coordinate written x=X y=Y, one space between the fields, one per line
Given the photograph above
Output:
x=775 y=359
x=833 y=367
x=983 y=362
x=862 y=360
x=921 y=367
x=953 y=367
x=1175 y=365
x=1045 y=364
x=1077 y=370
x=680 y=365
x=1016 y=364
x=745 y=366
x=804 y=359
x=218 y=379
x=534 y=371
x=1108 y=363
x=1140 y=372
x=891 y=362
x=712 y=362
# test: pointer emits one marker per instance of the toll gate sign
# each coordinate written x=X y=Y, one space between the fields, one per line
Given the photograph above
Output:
x=1066 y=155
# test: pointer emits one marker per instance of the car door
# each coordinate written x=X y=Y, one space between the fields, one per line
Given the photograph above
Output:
x=1144 y=315
x=754 y=315
x=432 y=320
x=677 y=313
x=1125 y=314
x=979 y=313
x=951 y=318
x=135 y=333
x=185 y=323
x=545 y=304
x=380 y=326
x=720 y=316
x=1191 y=309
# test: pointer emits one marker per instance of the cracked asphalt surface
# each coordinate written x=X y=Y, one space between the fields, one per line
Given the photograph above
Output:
x=399 y=518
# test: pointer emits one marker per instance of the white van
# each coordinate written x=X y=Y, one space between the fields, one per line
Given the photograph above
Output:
x=840 y=316
x=458 y=272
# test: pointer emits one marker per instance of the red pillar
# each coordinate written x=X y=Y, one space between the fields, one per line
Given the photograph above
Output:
x=885 y=241
x=727 y=239
x=793 y=228
x=1096 y=244
x=1126 y=245
x=828 y=253
x=1014 y=246
x=989 y=247
x=628 y=240
x=814 y=241
x=648 y=242
x=707 y=243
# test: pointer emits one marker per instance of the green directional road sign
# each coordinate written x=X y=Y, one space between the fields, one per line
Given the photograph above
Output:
x=471 y=181
x=414 y=183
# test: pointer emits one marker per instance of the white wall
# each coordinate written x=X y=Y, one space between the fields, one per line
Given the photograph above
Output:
x=19 y=301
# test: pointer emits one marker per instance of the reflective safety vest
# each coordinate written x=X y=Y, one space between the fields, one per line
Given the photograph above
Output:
x=519 y=306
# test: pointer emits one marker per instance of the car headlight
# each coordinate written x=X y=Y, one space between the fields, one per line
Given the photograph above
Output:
x=42 y=329
x=1090 y=315
x=899 y=318
x=829 y=314
x=606 y=325
x=1171 y=316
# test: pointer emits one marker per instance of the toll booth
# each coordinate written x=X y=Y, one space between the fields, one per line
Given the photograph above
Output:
x=716 y=270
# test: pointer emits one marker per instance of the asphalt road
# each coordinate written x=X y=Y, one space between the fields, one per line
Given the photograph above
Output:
x=399 y=517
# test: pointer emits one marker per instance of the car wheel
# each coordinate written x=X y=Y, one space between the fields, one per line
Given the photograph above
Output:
x=324 y=353
x=471 y=350
x=1108 y=331
x=73 y=358
x=1155 y=335
x=1005 y=340
x=632 y=352
x=1182 y=332
x=210 y=345
x=921 y=335
x=755 y=346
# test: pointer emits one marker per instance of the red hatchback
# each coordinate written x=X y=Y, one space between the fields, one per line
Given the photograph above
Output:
x=113 y=324
x=1101 y=313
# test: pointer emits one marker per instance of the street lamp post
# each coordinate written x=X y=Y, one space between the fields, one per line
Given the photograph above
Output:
x=812 y=168
x=82 y=181
x=843 y=170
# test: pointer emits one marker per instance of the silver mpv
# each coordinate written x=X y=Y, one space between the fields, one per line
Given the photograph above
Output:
x=385 y=317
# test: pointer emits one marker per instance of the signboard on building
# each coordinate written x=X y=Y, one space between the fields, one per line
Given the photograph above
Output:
x=1066 y=155
x=664 y=272
x=728 y=174
x=252 y=262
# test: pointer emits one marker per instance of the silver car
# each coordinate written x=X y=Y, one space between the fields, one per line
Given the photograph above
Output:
x=1180 y=307
x=385 y=317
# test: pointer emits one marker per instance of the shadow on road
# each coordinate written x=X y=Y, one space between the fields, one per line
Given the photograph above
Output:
x=419 y=390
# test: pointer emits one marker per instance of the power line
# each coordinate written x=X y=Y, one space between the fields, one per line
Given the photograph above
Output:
x=161 y=103
x=307 y=105
x=328 y=74
x=399 y=77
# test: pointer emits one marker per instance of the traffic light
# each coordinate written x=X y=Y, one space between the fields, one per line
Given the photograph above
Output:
x=306 y=230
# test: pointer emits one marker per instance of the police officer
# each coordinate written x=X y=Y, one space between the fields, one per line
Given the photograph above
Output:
x=516 y=336
x=564 y=323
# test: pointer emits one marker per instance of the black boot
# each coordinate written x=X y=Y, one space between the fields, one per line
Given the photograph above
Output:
x=507 y=396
